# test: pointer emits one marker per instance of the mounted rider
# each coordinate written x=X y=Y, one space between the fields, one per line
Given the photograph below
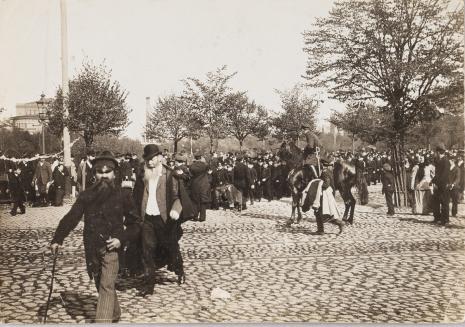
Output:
x=311 y=153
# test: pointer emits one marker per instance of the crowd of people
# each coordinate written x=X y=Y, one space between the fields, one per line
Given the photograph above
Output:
x=134 y=209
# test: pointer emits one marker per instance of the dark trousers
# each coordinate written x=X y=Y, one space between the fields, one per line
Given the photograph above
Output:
x=252 y=194
x=455 y=198
x=440 y=201
x=258 y=192
x=107 y=305
x=389 y=202
x=160 y=243
x=59 y=194
x=203 y=211
x=18 y=203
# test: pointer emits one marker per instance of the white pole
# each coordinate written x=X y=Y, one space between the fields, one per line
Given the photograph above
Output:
x=64 y=82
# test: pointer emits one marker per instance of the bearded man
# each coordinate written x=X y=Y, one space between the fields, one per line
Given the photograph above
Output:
x=157 y=198
x=110 y=220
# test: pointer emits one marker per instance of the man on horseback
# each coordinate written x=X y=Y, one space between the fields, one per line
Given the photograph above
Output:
x=311 y=150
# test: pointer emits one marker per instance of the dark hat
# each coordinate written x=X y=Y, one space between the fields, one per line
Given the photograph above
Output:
x=304 y=125
x=128 y=155
x=441 y=147
x=150 y=151
x=90 y=152
x=105 y=159
x=387 y=167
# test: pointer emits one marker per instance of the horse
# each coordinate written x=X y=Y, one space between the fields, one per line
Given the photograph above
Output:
x=345 y=177
x=298 y=178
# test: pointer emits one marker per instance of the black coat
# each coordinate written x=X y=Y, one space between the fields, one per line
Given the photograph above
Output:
x=388 y=181
x=441 y=177
x=101 y=221
x=16 y=187
x=200 y=187
x=241 y=176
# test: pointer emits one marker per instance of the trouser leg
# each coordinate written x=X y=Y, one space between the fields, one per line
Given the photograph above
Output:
x=203 y=212
x=455 y=196
x=389 y=202
x=107 y=305
x=149 y=243
x=444 y=200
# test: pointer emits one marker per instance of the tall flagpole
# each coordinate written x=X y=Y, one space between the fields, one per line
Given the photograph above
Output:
x=64 y=81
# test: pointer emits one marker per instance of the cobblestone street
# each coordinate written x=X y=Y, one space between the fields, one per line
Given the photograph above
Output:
x=381 y=269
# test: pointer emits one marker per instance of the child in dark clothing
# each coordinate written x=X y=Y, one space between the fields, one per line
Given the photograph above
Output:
x=388 y=187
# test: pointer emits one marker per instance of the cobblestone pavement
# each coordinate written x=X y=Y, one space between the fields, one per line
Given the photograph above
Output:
x=381 y=269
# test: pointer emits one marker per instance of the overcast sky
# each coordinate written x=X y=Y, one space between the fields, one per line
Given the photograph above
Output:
x=151 y=45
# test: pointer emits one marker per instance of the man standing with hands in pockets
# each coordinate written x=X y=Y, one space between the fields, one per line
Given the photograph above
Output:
x=110 y=220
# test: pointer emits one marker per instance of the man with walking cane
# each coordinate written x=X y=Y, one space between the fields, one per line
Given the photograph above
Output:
x=110 y=220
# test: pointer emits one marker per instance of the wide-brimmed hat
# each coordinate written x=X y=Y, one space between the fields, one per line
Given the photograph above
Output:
x=105 y=159
x=150 y=151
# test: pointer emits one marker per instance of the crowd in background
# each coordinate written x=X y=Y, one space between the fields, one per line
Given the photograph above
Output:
x=230 y=179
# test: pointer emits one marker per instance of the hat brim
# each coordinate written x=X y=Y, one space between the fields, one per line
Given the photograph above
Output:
x=150 y=156
x=105 y=158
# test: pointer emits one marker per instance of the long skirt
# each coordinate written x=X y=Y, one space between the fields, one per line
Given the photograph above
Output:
x=422 y=202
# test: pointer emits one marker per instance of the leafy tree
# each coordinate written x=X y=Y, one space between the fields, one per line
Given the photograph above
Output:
x=298 y=109
x=207 y=101
x=96 y=105
x=363 y=121
x=171 y=120
x=397 y=52
x=244 y=118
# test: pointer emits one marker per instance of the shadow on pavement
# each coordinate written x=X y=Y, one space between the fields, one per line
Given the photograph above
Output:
x=76 y=305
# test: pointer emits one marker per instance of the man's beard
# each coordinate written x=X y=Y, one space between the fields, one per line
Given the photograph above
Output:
x=102 y=190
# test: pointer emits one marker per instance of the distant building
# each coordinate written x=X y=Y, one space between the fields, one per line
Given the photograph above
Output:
x=27 y=115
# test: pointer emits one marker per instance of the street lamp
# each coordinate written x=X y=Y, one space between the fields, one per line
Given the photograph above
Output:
x=41 y=105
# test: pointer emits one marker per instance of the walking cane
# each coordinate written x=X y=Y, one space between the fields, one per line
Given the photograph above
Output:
x=55 y=256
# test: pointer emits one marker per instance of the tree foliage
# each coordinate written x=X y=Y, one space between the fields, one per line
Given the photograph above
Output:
x=244 y=117
x=398 y=52
x=207 y=101
x=364 y=121
x=172 y=119
x=96 y=105
x=298 y=109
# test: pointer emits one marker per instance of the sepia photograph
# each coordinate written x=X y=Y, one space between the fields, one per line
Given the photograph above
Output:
x=215 y=161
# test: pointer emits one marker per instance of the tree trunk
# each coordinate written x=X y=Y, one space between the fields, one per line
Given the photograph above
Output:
x=88 y=139
x=211 y=143
x=190 y=141
x=175 y=146
x=353 y=143
x=240 y=145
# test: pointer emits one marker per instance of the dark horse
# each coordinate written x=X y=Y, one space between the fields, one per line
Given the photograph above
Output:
x=298 y=178
x=344 y=176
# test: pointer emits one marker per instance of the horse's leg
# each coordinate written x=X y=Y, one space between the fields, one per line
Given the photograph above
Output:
x=352 y=207
x=294 y=205
x=346 y=205
x=299 y=213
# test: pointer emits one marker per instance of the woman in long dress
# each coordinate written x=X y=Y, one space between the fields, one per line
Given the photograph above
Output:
x=422 y=174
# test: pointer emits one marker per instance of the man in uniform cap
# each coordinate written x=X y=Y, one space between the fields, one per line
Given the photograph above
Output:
x=441 y=196
x=110 y=221
x=312 y=147
x=388 y=188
